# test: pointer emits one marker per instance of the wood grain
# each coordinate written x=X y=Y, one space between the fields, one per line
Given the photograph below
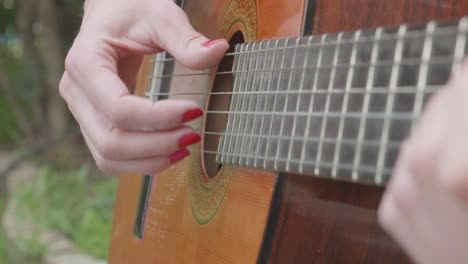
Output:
x=172 y=233
x=321 y=221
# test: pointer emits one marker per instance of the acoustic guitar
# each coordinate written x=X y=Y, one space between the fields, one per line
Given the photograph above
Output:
x=303 y=121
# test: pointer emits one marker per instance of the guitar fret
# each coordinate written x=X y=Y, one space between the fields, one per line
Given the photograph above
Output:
x=389 y=105
x=241 y=122
x=349 y=80
x=301 y=88
x=253 y=147
x=333 y=140
x=328 y=165
x=365 y=107
x=460 y=44
x=245 y=145
x=423 y=71
x=299 y=105
x=155 y=84
x=327 y=106
x=308 y=122
x=235 y=105
x=265 y=105
x=268 y=145
x=226 y=139
x=285 y=108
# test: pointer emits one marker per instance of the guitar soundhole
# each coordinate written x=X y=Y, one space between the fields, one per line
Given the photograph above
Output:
x=219 y=101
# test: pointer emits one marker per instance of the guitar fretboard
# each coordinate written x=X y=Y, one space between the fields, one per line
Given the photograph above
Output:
x=336 y=105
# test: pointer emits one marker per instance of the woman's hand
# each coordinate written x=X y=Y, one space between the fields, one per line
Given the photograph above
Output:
x=425 y=206
x=126 y=133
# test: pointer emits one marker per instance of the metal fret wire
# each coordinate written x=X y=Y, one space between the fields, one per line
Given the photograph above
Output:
x=389 y=105
x=257 y=154
x=354 y=115
x=232 y=145
x=349 y=80
x=347 y=141
x=311 y=105
x=460 y=44
x=414 y=34
x=301 y=87
x=434 y=61
x=246 y=76
x=244 y=143
x=268 y=143
x=154 y=86
x=338 y=90
x=459 y=52
x=227 y=140
x=362 y=168
x=285 y=108
x=257 y=108
x=327 y=105
x=423 y=71
x=365 y=106
x=247 y=102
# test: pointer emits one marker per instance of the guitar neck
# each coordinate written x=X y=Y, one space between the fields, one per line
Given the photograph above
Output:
x=336 y=105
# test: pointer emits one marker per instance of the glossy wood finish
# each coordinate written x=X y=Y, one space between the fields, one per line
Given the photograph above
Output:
x=174 y=232
x=321 y=221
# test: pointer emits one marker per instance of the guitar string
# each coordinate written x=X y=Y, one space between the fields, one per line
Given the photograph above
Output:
x=344 y=141
x=440 y=60
x=327 y=165
x=443 y=32
x=328 y=140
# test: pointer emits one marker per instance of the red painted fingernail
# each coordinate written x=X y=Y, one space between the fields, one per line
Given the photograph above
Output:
x=192 y=114
x=189 y=139
x=210 y=43
x=179 y=155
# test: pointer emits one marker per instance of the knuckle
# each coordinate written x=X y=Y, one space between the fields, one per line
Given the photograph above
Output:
x=117 y=117
x=63 y=88
x=78 y=59
x=108 y=145
x=72 y=61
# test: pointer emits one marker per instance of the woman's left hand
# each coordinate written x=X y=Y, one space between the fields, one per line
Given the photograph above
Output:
x=425 y=206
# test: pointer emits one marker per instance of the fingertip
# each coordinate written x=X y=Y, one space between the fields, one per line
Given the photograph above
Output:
x=191 y=114
x=214 y=42
x=178 y=155
x=204 y=53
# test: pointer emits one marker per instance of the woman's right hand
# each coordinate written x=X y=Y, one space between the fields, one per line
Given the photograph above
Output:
x=126 y=133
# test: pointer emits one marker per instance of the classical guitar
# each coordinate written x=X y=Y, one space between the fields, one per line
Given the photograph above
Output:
x=304 y=119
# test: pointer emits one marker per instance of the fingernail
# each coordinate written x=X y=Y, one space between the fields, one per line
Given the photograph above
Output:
x=189 y=139
x=210 y=43
x=191 y=114
x=179 y=155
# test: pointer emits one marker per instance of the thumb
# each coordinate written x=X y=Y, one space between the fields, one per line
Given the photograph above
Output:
x=191 y=48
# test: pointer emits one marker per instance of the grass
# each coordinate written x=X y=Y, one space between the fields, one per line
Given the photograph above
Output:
x=4 y=258
x=74 y=204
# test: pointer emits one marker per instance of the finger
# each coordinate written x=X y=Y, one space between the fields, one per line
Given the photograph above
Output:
x=143 y=166
x=115 y=144
x=188 y=46
x=406 y=214
x=101 y=85
x=121 y=145
x=453 y=168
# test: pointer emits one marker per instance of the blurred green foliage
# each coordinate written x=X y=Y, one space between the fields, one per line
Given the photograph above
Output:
x=70 y=202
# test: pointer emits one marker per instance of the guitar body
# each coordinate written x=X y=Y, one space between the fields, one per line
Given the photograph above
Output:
x=240 y=215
